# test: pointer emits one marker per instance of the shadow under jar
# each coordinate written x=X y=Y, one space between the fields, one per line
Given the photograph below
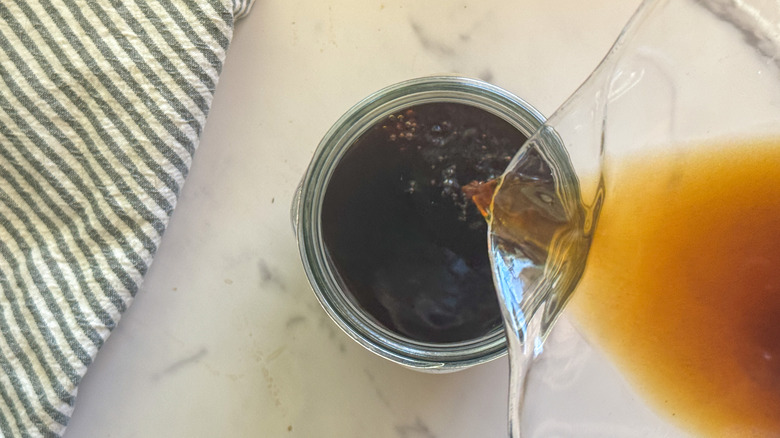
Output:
x=394 y=249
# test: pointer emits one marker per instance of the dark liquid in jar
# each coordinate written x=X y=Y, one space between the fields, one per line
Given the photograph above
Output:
x=409 y=245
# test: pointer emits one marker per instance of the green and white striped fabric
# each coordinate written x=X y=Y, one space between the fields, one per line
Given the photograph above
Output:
x=101 y=107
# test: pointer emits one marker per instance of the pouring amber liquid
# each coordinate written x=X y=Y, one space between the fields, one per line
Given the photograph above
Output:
x=636 y=210
x=682 y=285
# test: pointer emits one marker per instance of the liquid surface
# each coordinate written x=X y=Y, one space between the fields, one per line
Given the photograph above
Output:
x=408 y=243
x=682 y=286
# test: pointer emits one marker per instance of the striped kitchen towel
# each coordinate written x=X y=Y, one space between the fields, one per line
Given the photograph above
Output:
x=101 y=107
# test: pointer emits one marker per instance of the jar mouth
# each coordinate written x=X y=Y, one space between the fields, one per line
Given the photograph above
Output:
x=323 y=276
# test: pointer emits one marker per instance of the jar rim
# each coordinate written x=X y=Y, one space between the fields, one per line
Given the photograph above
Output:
x=307 y=210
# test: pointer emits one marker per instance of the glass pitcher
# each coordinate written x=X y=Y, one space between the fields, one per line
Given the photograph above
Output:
x=650 y=203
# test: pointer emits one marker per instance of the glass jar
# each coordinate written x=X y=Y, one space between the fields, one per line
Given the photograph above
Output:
x=328 y=285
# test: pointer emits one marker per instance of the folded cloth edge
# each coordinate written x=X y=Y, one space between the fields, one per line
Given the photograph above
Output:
x=241 y=8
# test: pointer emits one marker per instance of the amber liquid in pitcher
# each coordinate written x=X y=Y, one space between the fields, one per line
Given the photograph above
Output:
x=682 y=285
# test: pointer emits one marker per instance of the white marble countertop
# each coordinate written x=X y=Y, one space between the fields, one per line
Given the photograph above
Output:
x=226 y=338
